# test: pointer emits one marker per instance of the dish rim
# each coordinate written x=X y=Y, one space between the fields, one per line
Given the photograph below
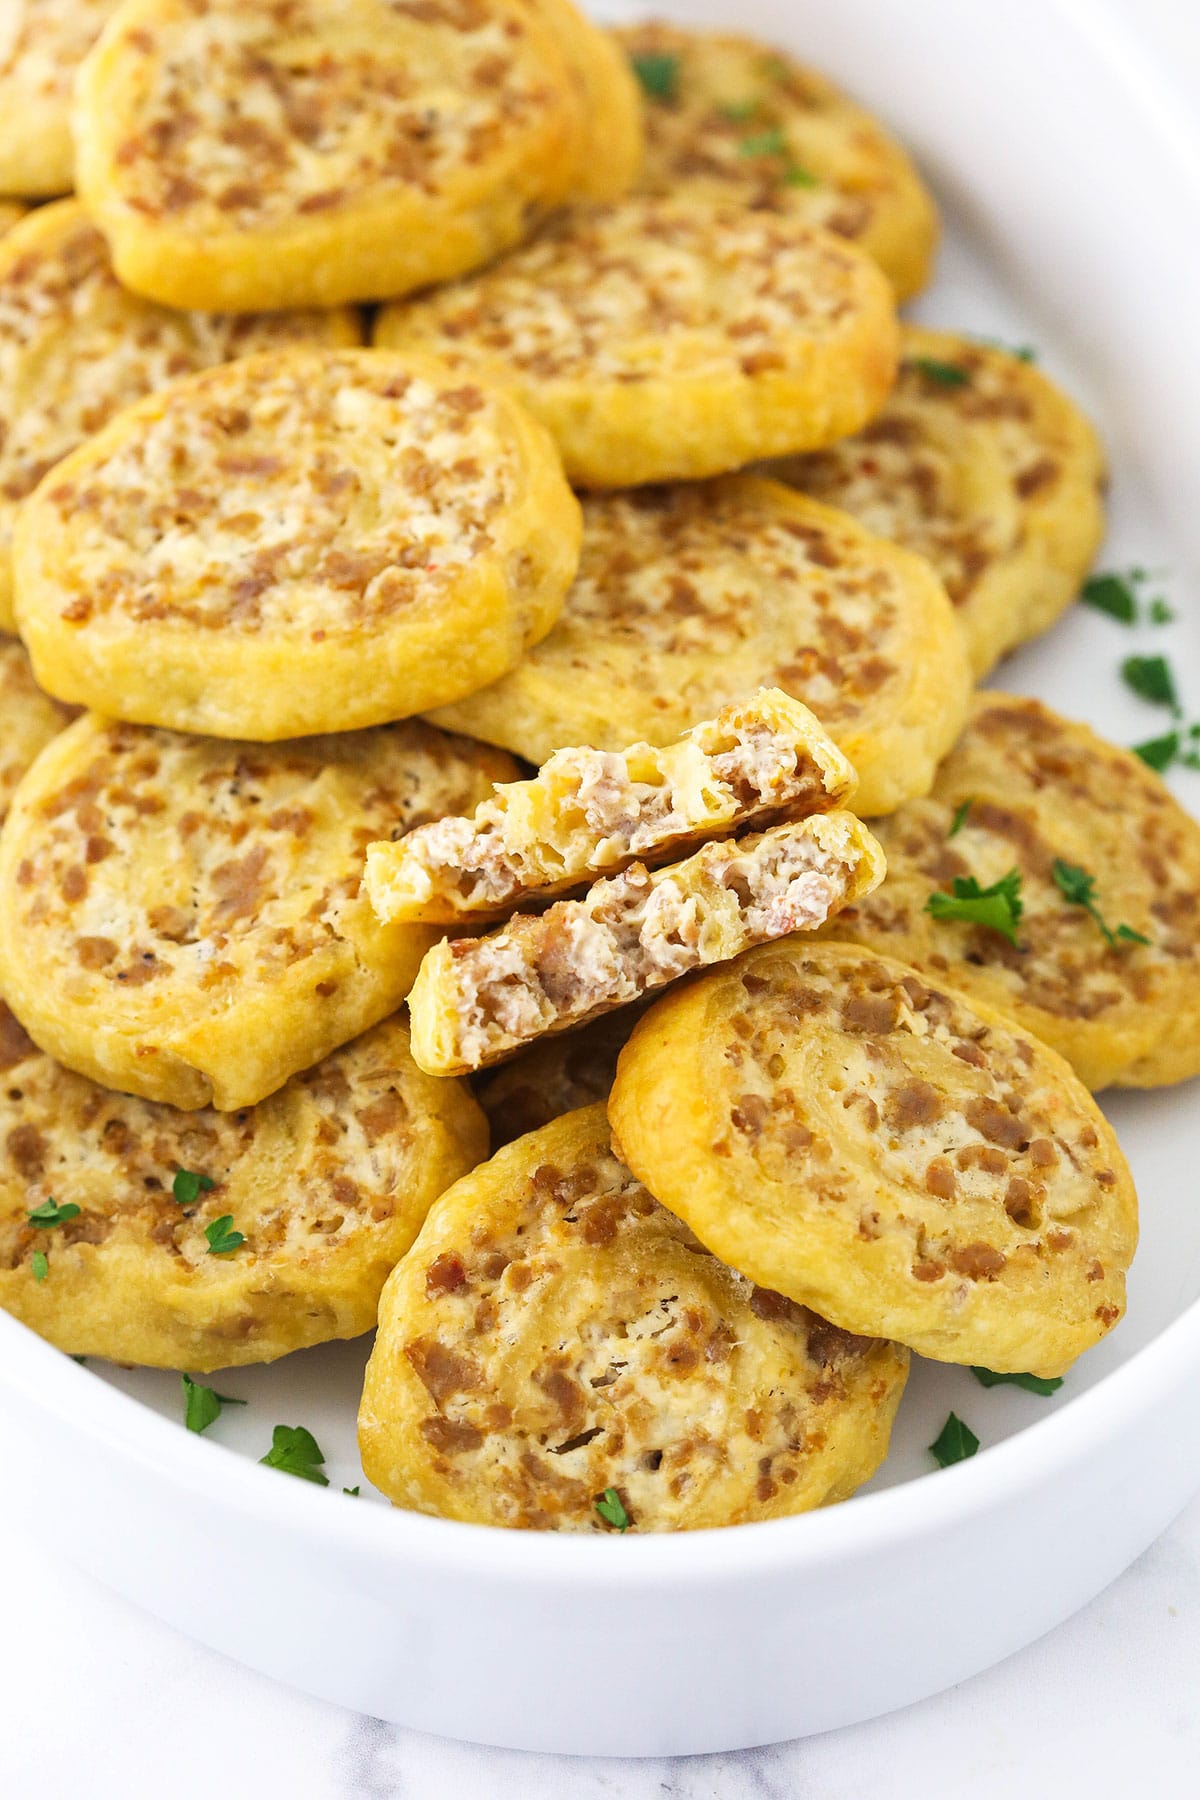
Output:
x=718 y=1556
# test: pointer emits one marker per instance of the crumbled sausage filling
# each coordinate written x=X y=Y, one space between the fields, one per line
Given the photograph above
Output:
x=749 y=122
x=45 y=43
x=314 y=497
x=638 y=931
x=1030 y=781
x=949 y=470
x=604 y=815
x=346 y=1132
x=584 y=1339
x=188 y=865
x=28 y=719
x=703 y=288
x=249 y=117
x=76 y=348
x=691 y=595
x=997 y=1170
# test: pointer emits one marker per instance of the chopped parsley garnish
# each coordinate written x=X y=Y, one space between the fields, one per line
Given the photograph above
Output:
x=739 y=110
x=1112 y=594
x=202 y=1405
x=221 y=1239
x=1033 y=1384
x=960 y=816
x=187 y=1187
x=777 y=68
x=954 y=1443
x=764 y=143
x=39 y=1264
x=770 y=142
x=658 y=72
x=1151 y=678
x=612 y=1510
x=943 y=374
x=1078 y=888
x=295 y=1450
x=353 y=1492
x=1120 y=596
x=999 y=907
x=51 y=1213
x=1160 y=752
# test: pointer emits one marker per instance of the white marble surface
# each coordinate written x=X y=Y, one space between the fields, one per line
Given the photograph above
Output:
x=100 y=1702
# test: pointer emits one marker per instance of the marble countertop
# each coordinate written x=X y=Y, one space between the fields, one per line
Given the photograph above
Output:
x=101 y=1702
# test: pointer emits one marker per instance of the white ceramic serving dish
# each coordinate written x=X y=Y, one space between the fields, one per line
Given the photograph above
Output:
x=1071 y=181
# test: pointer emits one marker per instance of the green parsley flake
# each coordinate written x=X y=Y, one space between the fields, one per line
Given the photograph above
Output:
x=221 y=1239
x=296 y=1451
x=943 y=374
x=658 y=73
x=954 y=1443
x=353 y=1492
x=39 y=1264
x=1160 y=752
x=187 y=1187
x=202 y=1405
x=739 y=111
x=1078 y=888
x=1151 y=678
x=764 y=143
x=771 y=142
x=777 y=68
x=960 y=816
x=612 y=1510
x=1033 y=1384
x=1118 y=596
x=999 y=907
x=1112 y=594
x=51 y=1213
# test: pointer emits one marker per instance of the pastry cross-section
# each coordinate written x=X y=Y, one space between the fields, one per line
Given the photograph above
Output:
x=591 y=812
x=476 y=1000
